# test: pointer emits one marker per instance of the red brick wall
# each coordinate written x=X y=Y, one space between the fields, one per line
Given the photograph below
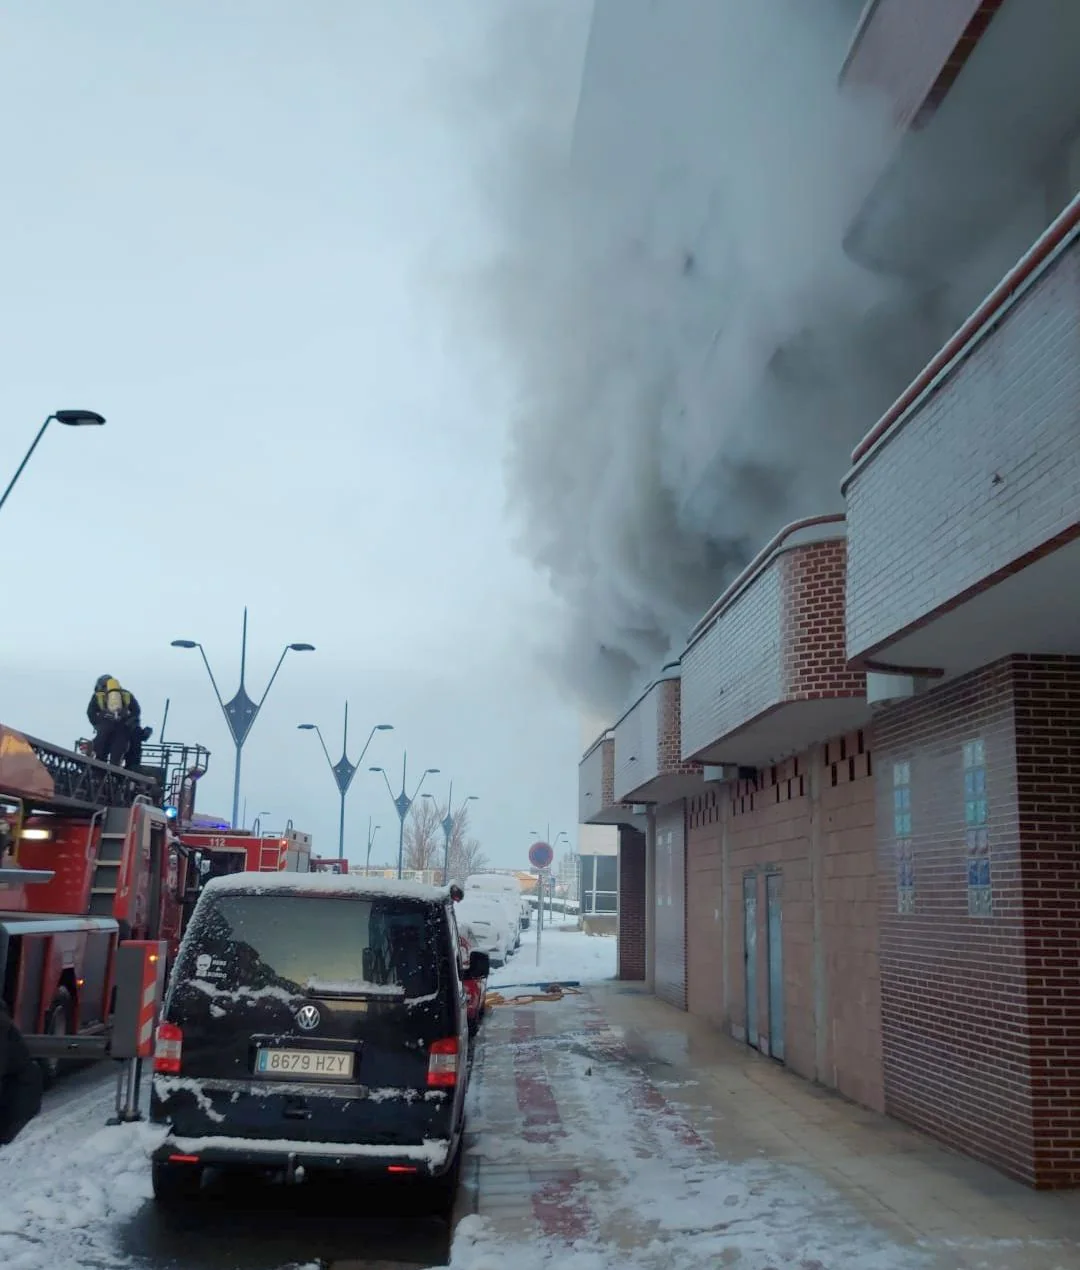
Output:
x=851 y=1046
x=631 y=931
x=670 y=968
x=704 y=905
x=669 y=730
x=927 y=523
x=954 y=1008
x=1046 y=710
x=811 y=820
x=814 y=633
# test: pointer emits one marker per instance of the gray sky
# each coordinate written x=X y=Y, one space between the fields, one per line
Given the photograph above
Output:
x=235 y=229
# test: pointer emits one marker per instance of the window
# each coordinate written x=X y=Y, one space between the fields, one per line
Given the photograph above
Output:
x=905 y=860
x=980 y=896
x=303 y=944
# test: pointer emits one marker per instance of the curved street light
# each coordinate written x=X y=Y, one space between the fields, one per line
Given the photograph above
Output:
x=240 y=711
x=448 y=822
x=402 y=802
x=70 y=419
x=343 y=770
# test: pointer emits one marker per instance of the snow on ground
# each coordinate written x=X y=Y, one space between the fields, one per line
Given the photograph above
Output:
x=68 y=1182
x=565 y=954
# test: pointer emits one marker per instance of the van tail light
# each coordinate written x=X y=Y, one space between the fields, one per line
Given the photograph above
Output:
x=167 y=1050
x=443 y=1064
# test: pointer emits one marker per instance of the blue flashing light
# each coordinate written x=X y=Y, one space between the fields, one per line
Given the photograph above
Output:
x=171 y=813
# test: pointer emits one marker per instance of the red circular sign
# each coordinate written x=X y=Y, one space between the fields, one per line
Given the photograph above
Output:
x=540 y=855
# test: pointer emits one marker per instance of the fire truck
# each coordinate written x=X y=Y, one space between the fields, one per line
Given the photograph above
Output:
x=328 y=864
x=215 y=851
x=99 y=859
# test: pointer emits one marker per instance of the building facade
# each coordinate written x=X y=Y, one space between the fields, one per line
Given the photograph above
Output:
x=850 y=811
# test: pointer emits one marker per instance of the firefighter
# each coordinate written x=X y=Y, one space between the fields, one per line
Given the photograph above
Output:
x=137 y=735
x=20 y=1081
x=112 y=712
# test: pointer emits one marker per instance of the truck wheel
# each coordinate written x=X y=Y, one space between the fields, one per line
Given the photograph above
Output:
x=175 y=1184
x=59 y=1021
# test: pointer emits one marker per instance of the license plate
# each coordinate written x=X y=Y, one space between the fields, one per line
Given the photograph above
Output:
x=319 y=1064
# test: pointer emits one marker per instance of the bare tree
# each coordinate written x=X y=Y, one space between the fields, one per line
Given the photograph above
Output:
x=465 y=854
x=423 y=836
x=467 y=859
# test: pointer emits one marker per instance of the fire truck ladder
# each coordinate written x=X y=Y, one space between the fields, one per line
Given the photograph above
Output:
x=81 y=783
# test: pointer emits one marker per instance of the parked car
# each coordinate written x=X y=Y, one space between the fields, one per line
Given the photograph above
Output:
x=486 y=917
x=314 y=1022
x=475 y=988
x=526 y=913
x=507 y=890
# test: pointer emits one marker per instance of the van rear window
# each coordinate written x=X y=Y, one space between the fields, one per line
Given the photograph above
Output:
x=316 y=946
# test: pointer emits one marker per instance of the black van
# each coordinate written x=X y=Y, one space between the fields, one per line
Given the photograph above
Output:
x=313 y=1022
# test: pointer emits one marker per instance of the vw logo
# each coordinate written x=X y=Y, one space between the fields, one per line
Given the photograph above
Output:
x=308 y=1017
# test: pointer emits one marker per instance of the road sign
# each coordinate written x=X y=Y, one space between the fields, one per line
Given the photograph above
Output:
x=540 y=855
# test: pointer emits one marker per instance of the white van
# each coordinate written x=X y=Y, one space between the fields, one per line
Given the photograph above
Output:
x=505 y=889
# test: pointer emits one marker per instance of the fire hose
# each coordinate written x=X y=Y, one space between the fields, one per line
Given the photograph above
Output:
x=549 y=992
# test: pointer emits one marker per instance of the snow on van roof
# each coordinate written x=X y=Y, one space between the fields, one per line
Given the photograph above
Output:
x=492 y=882
x=325 y=884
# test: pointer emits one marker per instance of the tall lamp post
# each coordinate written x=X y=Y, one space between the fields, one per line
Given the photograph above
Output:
x=402 y=802
x=370 y=841
x=241 y=712
x=448 y=821
x=343 y=770
x=70 y=419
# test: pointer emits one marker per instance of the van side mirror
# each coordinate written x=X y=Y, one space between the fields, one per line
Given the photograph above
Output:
x=479 y=966
x=456 y=893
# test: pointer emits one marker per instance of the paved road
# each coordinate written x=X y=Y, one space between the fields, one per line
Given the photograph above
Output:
x=75 y=1195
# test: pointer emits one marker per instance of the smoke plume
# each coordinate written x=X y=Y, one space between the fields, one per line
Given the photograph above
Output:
x=692 y=356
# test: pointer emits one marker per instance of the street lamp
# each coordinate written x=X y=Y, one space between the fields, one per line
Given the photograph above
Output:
x=370 y=839
x=447 y=823
x=70 y=419
x=241 y=712
x=402 y=802
x=343 y=770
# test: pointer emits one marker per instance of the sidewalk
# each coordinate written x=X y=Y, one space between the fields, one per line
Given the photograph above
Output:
x=641 y=1137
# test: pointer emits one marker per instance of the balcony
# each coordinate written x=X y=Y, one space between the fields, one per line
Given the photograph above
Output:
x=765 y=674
x=911 y=52
x=596 y=787
x=964 y=500
x=985 y=96
x=648 y=747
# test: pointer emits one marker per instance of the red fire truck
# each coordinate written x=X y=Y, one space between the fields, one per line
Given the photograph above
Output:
x=99 y=857
x=217 y=851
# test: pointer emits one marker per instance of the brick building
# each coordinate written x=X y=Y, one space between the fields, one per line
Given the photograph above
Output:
x=849 y=814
